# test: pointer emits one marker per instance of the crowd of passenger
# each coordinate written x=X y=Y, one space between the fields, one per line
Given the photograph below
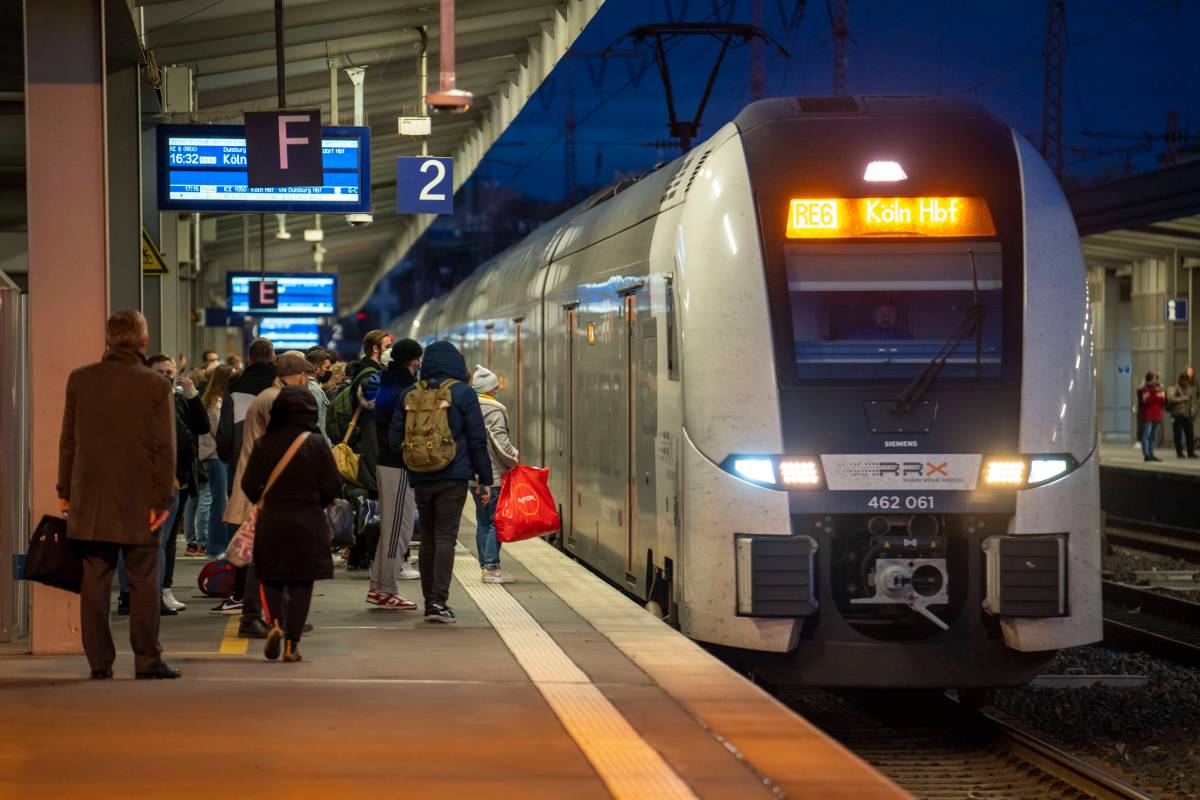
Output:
x=273 y=443
x=1179 y=401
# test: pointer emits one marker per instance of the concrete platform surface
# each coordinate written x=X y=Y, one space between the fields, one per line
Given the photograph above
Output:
x=553 y=686
x=1129 y=456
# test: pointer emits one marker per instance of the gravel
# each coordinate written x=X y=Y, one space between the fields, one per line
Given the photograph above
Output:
x=1151 y=733
x=1122 y=563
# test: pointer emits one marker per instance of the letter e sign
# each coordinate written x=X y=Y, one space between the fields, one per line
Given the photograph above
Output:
x=283 y=148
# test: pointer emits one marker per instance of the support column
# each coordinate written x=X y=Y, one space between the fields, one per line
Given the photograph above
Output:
x=123 y=95
x=68 y=249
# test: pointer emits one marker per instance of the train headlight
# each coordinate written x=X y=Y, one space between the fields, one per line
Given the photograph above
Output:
x=799 y=473
x=758 y=470
x=1005 y=472
x=1047 y=469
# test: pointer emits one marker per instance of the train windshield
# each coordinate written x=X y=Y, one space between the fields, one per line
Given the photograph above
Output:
x=883 y=311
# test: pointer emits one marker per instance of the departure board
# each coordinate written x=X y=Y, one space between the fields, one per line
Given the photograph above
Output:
x=203 y=168
x=282 y=294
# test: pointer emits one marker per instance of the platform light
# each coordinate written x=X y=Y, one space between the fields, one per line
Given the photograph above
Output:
x=799 y=473
x=879 y=171
x=1045 y=469
x=1005 y=472
x=759 y=470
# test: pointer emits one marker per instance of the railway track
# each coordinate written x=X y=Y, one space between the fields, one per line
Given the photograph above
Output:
x=1152 y=537
x=1138 y=619
x=938 y=750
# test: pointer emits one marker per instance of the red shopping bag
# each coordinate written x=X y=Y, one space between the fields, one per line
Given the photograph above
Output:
x=526 y=508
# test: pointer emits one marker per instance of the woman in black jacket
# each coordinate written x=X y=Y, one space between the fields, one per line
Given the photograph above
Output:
x=291 y=541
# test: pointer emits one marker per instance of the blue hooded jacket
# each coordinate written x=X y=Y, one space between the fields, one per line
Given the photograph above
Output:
x=441 y=362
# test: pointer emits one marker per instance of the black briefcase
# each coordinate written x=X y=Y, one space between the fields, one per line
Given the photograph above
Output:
x=52 y=558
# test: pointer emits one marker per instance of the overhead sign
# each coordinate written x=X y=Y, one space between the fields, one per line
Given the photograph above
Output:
x=291 y=333
x=916 y=471
x=424 y=185
x=1177 y=309
x=206 y=168
x=152 y=258
x=282 y=294
x=283 y=148
x=842 y=218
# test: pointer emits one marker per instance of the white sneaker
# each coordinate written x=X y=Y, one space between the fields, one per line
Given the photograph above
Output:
x=339 y=560
x=408 y=572
x=496 y=576
x=168 y=598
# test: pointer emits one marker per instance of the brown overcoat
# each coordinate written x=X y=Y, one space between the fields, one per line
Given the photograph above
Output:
x=116 y=459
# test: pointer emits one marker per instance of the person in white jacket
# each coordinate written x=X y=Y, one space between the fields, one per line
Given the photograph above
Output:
x=504 y=457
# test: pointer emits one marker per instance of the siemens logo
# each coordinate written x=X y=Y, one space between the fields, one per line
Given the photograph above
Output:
x=900 y=443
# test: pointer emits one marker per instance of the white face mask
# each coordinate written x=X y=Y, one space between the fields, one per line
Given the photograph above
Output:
x=386 y=357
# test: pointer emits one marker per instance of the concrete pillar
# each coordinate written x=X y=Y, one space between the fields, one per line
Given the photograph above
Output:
x=68 y=249
x=122 y=94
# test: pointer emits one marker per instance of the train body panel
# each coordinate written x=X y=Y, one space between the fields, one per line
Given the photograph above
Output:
x=831 y=506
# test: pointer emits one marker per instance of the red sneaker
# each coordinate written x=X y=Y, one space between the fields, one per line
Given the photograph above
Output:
x=395 y=602
x=374 y=596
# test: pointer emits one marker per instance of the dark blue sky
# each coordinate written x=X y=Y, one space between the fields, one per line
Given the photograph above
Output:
x=1128 y=63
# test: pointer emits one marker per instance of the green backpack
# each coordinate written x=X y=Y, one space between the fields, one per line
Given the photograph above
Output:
x=428 y=443
x=343 y=406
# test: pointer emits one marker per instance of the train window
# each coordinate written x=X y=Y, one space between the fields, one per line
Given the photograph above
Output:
x=883 y=311
x=672 y=358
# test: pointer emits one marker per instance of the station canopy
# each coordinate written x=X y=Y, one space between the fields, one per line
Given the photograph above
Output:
x=504 y=48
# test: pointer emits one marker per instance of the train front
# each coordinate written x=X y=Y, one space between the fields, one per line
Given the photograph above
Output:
x=923 y=509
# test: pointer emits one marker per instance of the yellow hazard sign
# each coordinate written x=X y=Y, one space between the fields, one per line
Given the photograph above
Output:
x=152 y=257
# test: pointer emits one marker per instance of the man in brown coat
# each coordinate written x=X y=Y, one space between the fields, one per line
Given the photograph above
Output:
x=116 y=481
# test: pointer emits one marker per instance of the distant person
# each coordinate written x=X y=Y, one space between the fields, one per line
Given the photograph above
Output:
x=397 y=501
x=292 y=369
x=292 y=537
x=882 y=325
x=1151 y=399
x=234 y=361
x=209 y=359
x=442 y=493
x=212 y=539
x=1181 y=402
x=321 y=363
x=119 y=411
x=336 y=381
x=354 y=406
x=504 y=457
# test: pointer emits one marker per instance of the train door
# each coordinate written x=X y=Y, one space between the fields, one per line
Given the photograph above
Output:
x=518 y=385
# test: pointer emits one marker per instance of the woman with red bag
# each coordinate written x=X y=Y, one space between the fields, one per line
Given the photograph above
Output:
x=504 y=457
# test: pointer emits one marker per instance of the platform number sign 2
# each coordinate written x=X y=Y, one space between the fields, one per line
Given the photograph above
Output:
x=425 y=185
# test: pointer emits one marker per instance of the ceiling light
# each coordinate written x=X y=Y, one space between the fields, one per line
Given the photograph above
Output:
x=884 y=171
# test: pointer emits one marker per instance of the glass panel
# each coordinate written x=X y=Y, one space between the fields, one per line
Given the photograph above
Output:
x=884 y=311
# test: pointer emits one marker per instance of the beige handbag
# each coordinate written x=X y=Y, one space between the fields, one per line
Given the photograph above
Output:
x=344 y=456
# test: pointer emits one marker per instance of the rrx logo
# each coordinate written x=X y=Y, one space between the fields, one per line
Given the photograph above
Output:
x=909 y=469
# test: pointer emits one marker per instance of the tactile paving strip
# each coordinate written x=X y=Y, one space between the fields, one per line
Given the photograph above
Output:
x=628 y=765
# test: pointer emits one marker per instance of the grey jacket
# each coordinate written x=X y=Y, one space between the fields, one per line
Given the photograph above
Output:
x=1180 y=401
x=500 y=449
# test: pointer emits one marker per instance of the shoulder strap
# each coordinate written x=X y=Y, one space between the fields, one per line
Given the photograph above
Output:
x=282 y=465
x=353 y=422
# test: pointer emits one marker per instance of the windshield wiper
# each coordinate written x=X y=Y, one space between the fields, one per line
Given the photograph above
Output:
x=971 y=322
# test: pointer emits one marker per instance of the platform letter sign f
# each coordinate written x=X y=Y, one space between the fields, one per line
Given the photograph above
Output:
x=283 y=148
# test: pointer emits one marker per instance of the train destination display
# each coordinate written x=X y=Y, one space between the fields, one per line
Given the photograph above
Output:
x=205 y=168
x=282 y=294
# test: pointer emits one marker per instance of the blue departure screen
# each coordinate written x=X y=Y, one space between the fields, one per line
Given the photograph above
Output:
x=291 y=334
x=282 y=294
x=203 y=168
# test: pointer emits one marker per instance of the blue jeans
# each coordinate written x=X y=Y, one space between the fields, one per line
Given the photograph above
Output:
x=1149 y=437
x=218 y=490
x=164 y=537
x=195 y=517
x=485 y=530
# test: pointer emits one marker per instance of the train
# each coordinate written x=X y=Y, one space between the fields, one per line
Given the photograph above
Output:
x=817 y=392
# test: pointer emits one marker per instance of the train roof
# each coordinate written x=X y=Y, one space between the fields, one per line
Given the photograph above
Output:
x=858 y=106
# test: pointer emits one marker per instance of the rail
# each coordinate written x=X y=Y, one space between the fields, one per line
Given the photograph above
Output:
x=1139 y=619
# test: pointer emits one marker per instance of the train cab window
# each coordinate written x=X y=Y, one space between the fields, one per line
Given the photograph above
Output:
x=883 y=311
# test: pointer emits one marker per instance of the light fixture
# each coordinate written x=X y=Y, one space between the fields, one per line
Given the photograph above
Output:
x=884 y=171
x=759 y=470
x=314 y=234
x=1005 y=472
x=1045 y=469
x=282 y=233
x=799 y=473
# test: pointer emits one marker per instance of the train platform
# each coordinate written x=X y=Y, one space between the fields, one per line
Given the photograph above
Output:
x=556 y=685
x=1129 y=456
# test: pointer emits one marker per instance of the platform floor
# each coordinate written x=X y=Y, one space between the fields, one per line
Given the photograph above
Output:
x=553 y=686
x=1129 y=456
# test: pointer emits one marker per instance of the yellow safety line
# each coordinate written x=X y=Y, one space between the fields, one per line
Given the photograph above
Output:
x=628 y=765
x=231 y=644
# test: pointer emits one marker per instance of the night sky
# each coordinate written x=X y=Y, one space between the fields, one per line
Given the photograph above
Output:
x=1128 y=63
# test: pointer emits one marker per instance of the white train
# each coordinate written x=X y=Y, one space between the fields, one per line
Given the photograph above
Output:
x=819 y=392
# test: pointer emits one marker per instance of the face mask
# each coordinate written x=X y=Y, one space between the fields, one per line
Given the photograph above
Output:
x=386 y=358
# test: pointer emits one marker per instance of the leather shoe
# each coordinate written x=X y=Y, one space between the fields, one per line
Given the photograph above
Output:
x=160 y=671
x=307 y=627
x=253 y=629
x=101 y=674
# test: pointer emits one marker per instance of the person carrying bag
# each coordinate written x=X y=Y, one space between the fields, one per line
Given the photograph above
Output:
x=241 y=547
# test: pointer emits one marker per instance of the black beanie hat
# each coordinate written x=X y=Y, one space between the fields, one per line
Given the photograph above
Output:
x=405 y=350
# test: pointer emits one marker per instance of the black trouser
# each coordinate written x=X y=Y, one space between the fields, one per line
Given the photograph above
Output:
x=99 y=564
x=292 y=614
x=1184 y=432
x=245 y=588
x=172 y=535
x=439 y=508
